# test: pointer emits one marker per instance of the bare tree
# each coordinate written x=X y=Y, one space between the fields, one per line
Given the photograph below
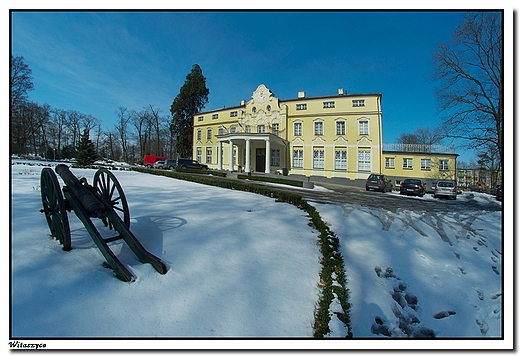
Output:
x=471 y=89
x=122 y=130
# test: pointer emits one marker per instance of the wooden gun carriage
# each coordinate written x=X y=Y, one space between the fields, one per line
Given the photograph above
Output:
x=104 y=200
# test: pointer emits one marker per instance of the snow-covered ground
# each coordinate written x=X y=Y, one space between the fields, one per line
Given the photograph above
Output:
x=242 y=265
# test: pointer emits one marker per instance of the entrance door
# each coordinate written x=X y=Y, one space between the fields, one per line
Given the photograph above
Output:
x=260 y=159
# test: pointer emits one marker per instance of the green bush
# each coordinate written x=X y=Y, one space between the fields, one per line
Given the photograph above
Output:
x=295 y=183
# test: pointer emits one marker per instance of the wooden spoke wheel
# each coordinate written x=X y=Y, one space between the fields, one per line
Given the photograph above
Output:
x=110 y=190
x=54 y=208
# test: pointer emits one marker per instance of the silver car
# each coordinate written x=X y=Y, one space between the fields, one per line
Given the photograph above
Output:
x=446 y=189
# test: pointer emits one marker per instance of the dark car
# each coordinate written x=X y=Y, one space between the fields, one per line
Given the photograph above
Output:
x=498 y=192
x=412 y=187
x=378 y=182
x=184 y=163
x=169 y=164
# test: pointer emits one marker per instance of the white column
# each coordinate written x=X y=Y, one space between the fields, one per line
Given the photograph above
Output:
x=267 y=156
x=230 y=156
x=219 y=156
x=248 y=156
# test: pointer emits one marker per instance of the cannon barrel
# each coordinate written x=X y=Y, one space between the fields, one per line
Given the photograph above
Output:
x=86 y=198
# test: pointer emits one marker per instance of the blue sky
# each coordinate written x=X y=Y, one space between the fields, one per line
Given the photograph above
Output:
x=96 y=62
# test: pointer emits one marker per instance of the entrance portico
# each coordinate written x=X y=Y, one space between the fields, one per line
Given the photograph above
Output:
x=259 y=143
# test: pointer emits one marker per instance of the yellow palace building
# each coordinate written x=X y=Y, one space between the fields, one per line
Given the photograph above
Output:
x=337 y=136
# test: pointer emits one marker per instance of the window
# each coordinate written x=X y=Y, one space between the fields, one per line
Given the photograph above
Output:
x=340 y=128
x=275 y=157
x=301 y=106
x=389 y=162
x=268 y=107
x=328 y=104
x=364 y=160
x=220 y=130
x=319 y=158
x=233 y=113
x=233 y=129
x=340 y=158
x=254 y=109
x=199 y=134
x=426 y=164
x=298 y=158
x=318 y=128
x=363 y=127
x=297 y=129
x=199 y=154
x=248 y=128
x=214 y=116
x=200 y=118
x=443 y=165
x=209 y=155
x=407 y=163
x=260 y=128
x=356 y=103
x=210 y=134
x=276 y=128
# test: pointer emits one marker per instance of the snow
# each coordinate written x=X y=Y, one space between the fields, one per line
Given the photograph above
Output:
x=245 y=266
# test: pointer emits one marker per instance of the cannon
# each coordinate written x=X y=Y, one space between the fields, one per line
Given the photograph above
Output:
x=104 y=200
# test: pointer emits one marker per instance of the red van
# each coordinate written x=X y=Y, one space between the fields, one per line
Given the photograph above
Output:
x=150 y=160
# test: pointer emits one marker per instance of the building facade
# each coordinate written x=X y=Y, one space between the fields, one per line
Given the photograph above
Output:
x=329 y=136
x=430 y=163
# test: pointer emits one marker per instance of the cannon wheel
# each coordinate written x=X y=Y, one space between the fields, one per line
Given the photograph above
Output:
x=110 y=190
x=54 y=208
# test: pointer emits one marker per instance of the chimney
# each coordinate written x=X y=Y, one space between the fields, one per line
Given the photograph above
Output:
x=242 y=102
x=340 y=91
x=301 y=94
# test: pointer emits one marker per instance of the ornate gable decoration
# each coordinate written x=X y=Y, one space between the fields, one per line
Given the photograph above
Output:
x=264 y=108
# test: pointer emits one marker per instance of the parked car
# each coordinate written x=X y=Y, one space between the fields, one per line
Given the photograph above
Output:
x=445 y=189
x=378 y=182
x=498 y=192
x=412 y=187
x=158 y=164
x=184 y=163
x=169 y=164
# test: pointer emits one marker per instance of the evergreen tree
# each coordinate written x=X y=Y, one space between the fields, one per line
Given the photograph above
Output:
x=86 y=153
x=192 y=98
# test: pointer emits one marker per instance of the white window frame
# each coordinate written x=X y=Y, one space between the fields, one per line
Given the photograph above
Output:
x=407 y=163
x=364 y=160
x=341 y=127
x=318 y=128
x=298 y=129
x=318 y=158
x=209 y=134
x=214 y=116
x=358 y=102
x=301 y=106
x=209 y=155
x=199 y=134
x=233 y=114
x=340 y=158
x=260 y=129
x=363 y=127
x=389 y=162
x=199 y=154
x=444 y=165
x=329 y=104
x=275 y=128
x=298 y=157
x=200 y=118
x=248 y=128
x=426 y=164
